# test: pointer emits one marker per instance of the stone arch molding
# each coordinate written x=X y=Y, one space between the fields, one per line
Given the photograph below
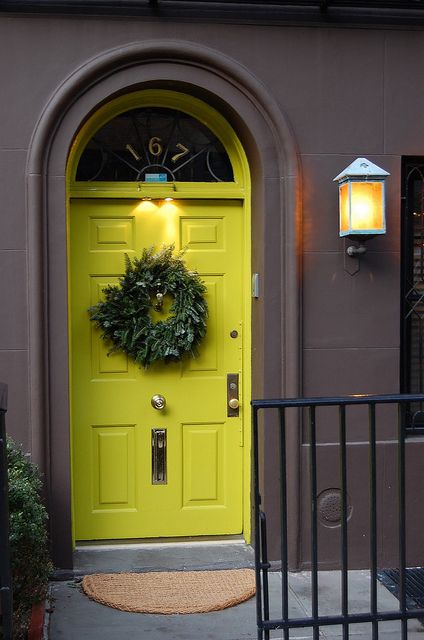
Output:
x=114 y=62
x=270 y=146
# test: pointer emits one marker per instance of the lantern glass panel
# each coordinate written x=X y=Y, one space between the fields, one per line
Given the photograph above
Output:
x=344 y=209
x=367 y=207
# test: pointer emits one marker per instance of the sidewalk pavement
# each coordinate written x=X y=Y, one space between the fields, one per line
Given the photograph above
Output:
x=75 y=617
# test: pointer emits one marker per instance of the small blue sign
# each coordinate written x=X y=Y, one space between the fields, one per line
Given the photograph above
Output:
x=156 y=177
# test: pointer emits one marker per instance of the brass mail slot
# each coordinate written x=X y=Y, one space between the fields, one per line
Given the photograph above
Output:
x=159 y=456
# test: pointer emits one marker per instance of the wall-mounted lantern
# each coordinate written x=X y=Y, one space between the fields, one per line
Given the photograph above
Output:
x=362 y=203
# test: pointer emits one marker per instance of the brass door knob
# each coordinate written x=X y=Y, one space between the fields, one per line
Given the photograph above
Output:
x=233 y=403
x=158 y=402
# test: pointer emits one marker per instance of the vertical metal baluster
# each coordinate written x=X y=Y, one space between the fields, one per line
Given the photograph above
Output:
x=314 y=524
x=258 y=541
x=265 y=566
x=283 y=519
x=402 y=518
x=343 y=537
x=373 y=518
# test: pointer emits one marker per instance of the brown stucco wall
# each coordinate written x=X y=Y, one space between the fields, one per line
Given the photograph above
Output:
x=343 y=92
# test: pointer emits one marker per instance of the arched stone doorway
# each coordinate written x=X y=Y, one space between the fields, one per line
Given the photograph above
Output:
x=266 y=138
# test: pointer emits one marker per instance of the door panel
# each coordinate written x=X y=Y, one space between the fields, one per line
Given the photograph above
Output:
x=115 y=495
x=113 y=447
x=203 y=479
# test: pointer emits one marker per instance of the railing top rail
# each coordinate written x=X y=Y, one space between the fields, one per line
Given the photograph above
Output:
x=360 y=399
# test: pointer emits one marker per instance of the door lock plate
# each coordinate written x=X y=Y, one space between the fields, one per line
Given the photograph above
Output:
x=232 y=395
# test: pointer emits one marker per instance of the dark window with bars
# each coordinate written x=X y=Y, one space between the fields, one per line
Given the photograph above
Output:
x=412 y=321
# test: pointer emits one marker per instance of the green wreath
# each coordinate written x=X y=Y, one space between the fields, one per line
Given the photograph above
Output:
x=124 y=316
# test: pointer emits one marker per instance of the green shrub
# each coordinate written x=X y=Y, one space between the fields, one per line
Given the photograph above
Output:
x=30 y=561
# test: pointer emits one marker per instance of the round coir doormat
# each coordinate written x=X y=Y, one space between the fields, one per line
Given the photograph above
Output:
x=171 y=592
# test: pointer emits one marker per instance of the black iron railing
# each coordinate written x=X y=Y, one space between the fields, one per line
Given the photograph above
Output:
x=5 y=575
x=379 y=418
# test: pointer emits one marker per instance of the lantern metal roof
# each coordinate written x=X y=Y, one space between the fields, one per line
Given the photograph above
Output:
x=361 y=168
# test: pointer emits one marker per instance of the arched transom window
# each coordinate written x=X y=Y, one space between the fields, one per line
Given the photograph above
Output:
x=154 y=144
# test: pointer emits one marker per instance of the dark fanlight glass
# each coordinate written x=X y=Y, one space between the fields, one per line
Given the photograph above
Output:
x=153 y=144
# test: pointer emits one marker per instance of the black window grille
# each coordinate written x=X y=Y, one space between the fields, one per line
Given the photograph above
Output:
x=412 y=320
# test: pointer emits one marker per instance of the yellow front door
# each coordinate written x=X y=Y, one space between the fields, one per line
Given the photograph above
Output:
x=139 y=471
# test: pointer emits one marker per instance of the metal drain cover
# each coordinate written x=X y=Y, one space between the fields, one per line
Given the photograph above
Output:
x=329 y=505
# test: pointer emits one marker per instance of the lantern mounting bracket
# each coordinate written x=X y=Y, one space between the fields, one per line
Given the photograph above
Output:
x=351 y=257
x=359 y=249
x=355 y=251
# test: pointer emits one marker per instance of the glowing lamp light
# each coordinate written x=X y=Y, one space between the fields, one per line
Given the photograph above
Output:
x=362 y=202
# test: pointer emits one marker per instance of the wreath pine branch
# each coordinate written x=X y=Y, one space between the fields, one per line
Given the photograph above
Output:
x=124 y=316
